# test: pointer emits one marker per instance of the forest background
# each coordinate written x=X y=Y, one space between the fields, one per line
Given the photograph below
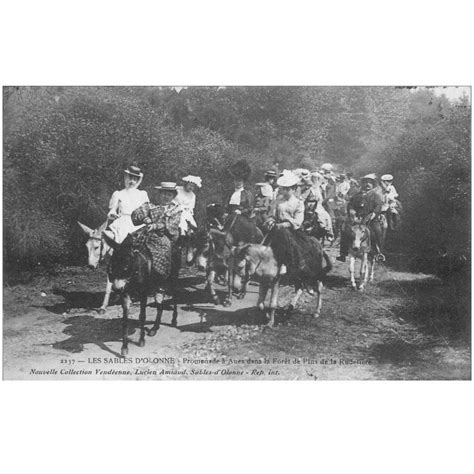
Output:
x=65 y=149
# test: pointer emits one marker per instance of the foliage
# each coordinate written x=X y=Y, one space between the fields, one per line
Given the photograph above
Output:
x=65 y=149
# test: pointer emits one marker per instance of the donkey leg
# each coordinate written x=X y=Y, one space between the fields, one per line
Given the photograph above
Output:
x=105 y=303
x=273 y=303
x=210 y=285
x=243 y=291
x=294 y=300
x=351 y=271
x=174 y=290
x=372 y=268
x=174 y=320
x=142 y=318
x=159 y=296
x=262 y=293
x=126 y=302
x=364 y=273
x=320 y=299
x=230 y=284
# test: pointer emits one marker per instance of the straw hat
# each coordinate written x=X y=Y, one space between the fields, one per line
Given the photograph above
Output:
x=167 y=186
x=288 y=179
x=193 y=179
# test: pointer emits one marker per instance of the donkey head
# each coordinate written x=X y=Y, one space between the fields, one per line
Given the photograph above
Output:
x=94 y=244
x=359 y=236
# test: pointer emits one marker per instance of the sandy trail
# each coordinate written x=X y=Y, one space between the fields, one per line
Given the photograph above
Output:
x=384 y=333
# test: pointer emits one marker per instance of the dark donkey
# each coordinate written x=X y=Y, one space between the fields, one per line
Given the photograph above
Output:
x=130 y=269
x=213 y=251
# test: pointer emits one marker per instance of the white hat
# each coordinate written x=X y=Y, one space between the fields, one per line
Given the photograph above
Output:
x=193 y=179
x=326 y=167
x=387 y=177
x=288 y=179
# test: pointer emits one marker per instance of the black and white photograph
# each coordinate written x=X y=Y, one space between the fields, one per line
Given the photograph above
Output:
x=236 y=237
x=237 y=232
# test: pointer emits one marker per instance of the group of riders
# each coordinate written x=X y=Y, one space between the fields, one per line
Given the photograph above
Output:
x=289 y=208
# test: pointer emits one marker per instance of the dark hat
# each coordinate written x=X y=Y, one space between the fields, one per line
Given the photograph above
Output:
x=134 y=171
x=270 y=174
x=240 y=170
x=167 y=186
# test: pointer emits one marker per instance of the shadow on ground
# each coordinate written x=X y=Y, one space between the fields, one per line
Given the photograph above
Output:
x=90 y=330
x=92 y=300
x=212 y=317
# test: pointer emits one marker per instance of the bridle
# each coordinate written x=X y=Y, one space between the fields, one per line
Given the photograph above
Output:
x=365 y=234
x=101 y=247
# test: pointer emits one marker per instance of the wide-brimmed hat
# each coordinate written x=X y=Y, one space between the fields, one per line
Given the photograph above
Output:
x=326 y=167
x=369 y=177
x=134 y=171
x=288 y=179
x=270 y=174
x=304 y=173
x=167 y=186
x=193 y=179
x=387 y=177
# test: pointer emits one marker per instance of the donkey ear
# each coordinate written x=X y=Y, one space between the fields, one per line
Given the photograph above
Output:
x=87 y=230
x=103 y=227
x=110 y=242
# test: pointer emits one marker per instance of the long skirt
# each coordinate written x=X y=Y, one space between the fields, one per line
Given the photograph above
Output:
x=122 y=226
x=160 y=248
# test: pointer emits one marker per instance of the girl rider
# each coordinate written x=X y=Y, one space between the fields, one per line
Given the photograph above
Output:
x=124 y=202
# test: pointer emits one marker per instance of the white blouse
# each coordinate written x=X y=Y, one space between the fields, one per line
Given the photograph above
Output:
x=123 y=203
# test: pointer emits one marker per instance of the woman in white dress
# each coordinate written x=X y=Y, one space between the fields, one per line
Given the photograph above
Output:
x=124 y=202
x=187 y=199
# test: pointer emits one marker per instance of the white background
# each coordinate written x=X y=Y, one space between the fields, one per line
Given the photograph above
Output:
x=347 y=427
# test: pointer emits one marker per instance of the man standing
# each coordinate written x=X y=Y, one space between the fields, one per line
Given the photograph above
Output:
x=366 y=205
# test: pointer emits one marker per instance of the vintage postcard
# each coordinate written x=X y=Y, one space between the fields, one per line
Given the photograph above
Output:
x=237 y=233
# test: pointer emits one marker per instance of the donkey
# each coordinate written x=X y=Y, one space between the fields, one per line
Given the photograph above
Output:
x=361 y=248
x=259 y=261
x=98 y=251
x=131 y=269
x=213 y=252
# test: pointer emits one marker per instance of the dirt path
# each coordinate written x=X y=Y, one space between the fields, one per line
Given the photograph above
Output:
x=406 y=326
